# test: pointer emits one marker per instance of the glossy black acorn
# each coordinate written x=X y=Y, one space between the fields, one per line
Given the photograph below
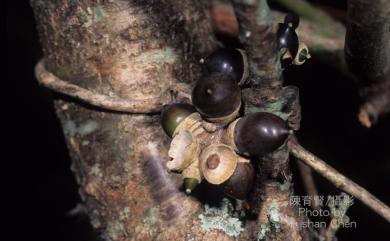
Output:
x=287 y=39
x=259 y=133
x=216 y=96
x=241 y=182
x=229 y=62
x=172 y=115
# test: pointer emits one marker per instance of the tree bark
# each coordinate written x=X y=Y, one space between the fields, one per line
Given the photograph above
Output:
x=139 y=50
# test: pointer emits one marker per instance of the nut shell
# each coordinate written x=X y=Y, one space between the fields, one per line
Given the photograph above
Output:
x=229 y=62
x=183 y=151
x=217 y=163
x=172 y=115
x=216 y=96
x=241 y=182
x=259 y=133
x=287 y=39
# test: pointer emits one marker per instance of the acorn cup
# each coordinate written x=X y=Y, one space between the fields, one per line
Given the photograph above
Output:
x=303 y=54
x=226 y=61
x=220 y=165
x=217 y=97
x=257 y=134
x=183 y=124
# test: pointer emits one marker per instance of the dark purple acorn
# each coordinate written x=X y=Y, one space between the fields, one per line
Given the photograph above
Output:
x=172 y=115
x=216 y=96
x=287 y=39
x=241 y=182
x=259 y=133
x=229 y=62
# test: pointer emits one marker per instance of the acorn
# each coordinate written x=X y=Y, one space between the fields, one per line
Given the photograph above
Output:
x=192 y=176
x=287 y=39
x=227 y=61
x=220 y=165
x=216 y=97
x=217 y=163
x=241 y=182
x=257 y=134
x=173 y=114
x=190 y=184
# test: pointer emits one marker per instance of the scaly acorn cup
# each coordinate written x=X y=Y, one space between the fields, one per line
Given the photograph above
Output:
x=173 y=114
x=220 y=165
x=226 y=61
x=217 y=97
x=257 y=134
x=303 y=54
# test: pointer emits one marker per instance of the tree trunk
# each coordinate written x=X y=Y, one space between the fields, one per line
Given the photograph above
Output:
x=138 y=50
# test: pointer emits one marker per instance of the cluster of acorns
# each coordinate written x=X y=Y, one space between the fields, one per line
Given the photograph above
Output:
x=216 y=98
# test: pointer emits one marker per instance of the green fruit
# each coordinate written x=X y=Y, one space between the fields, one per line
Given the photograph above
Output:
x=190 y=184
x=172 y=115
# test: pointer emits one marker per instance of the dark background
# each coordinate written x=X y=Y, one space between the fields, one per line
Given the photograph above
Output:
x=42 y=190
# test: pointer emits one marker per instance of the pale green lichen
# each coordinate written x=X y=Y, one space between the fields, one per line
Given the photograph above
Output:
x=285 y=186
x=98 y=13
x=271 y=107
x=96 y=171
x=273 y=224
x=150 y=218
x=87 y=128
x=221 y=218
x=69 y=128
x=264 y=228
x=124 y=214
x=162 y=56
x=114 y=230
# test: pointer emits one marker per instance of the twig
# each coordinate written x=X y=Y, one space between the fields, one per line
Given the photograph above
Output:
x=49 y=80
x=309 y=184
x=339 y=180
x=339 y=216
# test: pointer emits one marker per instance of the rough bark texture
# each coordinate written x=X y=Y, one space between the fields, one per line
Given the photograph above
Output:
x=273 y=185
x=139 y=50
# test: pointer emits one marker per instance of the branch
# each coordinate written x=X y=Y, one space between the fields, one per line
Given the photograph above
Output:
x=339 y=216
x=309 y=184
x=259 y=40
x=54 y=83
x=339 y=180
